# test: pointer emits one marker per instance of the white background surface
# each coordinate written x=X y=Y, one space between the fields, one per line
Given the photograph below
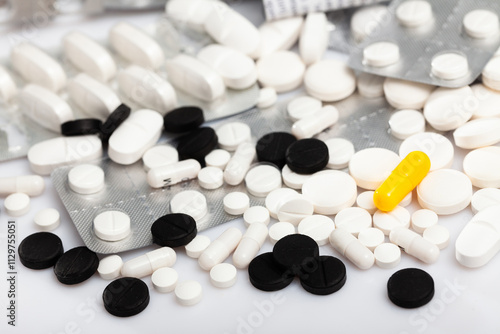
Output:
x=466 y=300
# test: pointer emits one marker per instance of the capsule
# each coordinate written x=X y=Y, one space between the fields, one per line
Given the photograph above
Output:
x=309 y=126
x=167 y=175
x=220 y=248
x=31 y=185
x=414 y=244
x=250 y=245
x=403 y=179
x=146 y=264
x=349 y=246
x=239 y=164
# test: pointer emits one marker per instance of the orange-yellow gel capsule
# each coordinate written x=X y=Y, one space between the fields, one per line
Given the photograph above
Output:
x=403 y=179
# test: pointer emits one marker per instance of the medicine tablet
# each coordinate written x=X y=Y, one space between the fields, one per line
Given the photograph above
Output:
x=330 y=80
x=414 y=13
x=276 y=197
x=112 y=225
x=292 y=179
x=239 y=164
x=218 y=158
x=491 y=74
x=280 y=230
x=197 y=144
x=381 y=54
x=488 y=100
x=236 y=203
x=267 y=97
x=370 y=85
x=17 y=204
x=484 y=198
x=160 y=155
x=255 y=215
x=449 y=66
x=371 y=237
x=8 y=88
x=82 y=126
x=371 y=166
x=126 y=297
x=387 y=255
x=282 y=70
x=47 y=219
x=86 y=179
x=223 y=275
x=76 y=265
x=211 y=178
x=317 y=227
x=313 y=40
x=423 y=219
x=40 y=250
x=188 y=293
x=175 y=173
x=478 y=133
x=366 y=19
x=437 y=147
x=402 y=94
x=387 y=221
x=410 y=288
x=482 y=167
x=406 y=123
x=109 y=267
x=340 y=152
x=295 y=209
x=350 y=247
x=165 y=279
x=324 y=275
x=481 y=23
x=353 y=220
x=190 y=202
x=173 y=230
x=232 y=134
x=407 y=200
x=113 y=121
x=183 y=119
x=279 y=34
x=146 y=264
x=365 y=201
x=272 y=147
x=294 y=250
x=303 y=107
x=267 y=275
x=438 y=235
x=320 y=121
x=263 y=179
x=307 y=156
x=218 y=251
x=192 y=13
x=197 y=246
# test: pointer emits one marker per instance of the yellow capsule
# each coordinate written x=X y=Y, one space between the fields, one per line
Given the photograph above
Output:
x=403 y=179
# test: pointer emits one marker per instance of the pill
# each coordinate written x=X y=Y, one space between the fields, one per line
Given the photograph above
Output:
x=191 y=13
x=217 y=158
x=438 y=235
x=282 y=70
x=256 y=214
x=365 y=201
x=303 y=107
x=279 y=34
x=405 y=123
x=190 y=202
x=323 y=190
x=324 y=275
x=371 y=237
x=109 y=267
x=148 y=263
x=292 y=179
x=267 y=97
x=262 y=179
x=197 y=144
x=353 y=220
x=17 y=204
x=491 y=74
x=250 y=245
x=239 y=164
x=414 y=245
x=481 y=23
x=164 y=176
x=211 y=178
x=449 y=66
x=402 y=94
x=445 y=191
x=295 y=209
x=44 y=107
x=387 y=255
x=183 y=119
x=267 y=275
x=329 y=80
x=195 y=78
x=276 y=197
x=135 y=136
x=113 y=121
x=174 y=230
x=236 y=203
x=307 y=156
x=220 y=248
x=272 y=147
x=40 y=250
x=280 y=230
x=223 y=275
x=37 y=67
x=488 y=100
x=371 y=166
x=407 y=200
x=165 y=279
x=381 y=54
x=366 y=19
x=350 y=247
x=481 y=166
x=423 y=219
x=236 y=69
x=478 y=133
x=8 y=88
x=47 y=219
x=76 y=265
x=31 y=185
x=147 y=89
x=112 y=225
x=86 y=179
x=388 y=221
x=340 y=152
x=89 y=56
x=294 y=251
x=370 y=85
x=484 y=198
x=188 y=293
x=313 y=40
x=197 y=246
x=46 y=156
x=318 y=122
x=160 y=155
x=317 y=227
x=437 y=147
x=82 y=126
x=414 y=13
x=410 y=288
x=232 y=134
x=126 y=297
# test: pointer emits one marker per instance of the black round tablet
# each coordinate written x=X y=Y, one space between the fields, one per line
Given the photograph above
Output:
x=40 y=250
x=80 y=127
x=410 y=288
x=126 y=297
x=323 y=275
x=76 y=265
x=183 y=119
x=293 y=251
x=174 y=230
x=307 y=156
x=197 y=144
x=267 y=275
x=273 y=146
x=117 y=117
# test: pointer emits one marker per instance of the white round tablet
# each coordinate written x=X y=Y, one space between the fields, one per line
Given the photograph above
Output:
x=449 y=66
x=484 y=198
x=491 y=74
x=330 y=80
x=267 y=97
x=280 y=230
x=478 y=133
x=330 y=191
x=47 y=219
x=276 y=197
x=160 y=155
x=223 y=275
x=317 y=227
x=256 y=214
x=353 y=220
x=387 y=255
x=402 y=94
x=295 y=209
x=236 y=203
x=423 y=219
x=445 y=191
x=407 y=200
x=437 y=147
x=232 y=134
x=86 y=179
x=482 y=166
x=262 y=179
x=366 y=19
x=365 y=201
x=387 y=221
x=217 y=158
x=481 y=23
x=381 y=54
x=112 y=225
x=165 y=279
x=302 y=107
x=406 y=123
x=189 y=202
x=370 y=85
x=437 y=235
x=488 y=100
x=196 y=246
x=292 y=179
x=17 y=204
x=282 y=70
x=109 y=267
x=371 y=237
x=211 y=178
x=340 y=151
x=371 y=166
x=188 y=293
x=414 y=13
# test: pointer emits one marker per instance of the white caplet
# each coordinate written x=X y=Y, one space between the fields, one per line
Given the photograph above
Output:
x=8 y=88
x=192 y=13
x=167 y=175
x=347 y=244
x=220 y=248
x=31 y=185
x=477 y=244
x=310 y=126
x=239 y=164
x=478 y=133
x=414 y=245
x=146 y=264
x=279 y=34
x=313 y=38
x=250 y=244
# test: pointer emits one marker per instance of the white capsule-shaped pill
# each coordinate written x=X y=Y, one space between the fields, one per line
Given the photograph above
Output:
x=250 y=244
x=349 y=246
x=164 y=176
x=192 y=13
x=89 y=56
x=37 y=67
x=93 y=97
x=31 y=185
x=8 y=88
x=313 y=38
x=136 y=46
x=414 y=244
x=44 y=107
x=146 y=264
x=308 y=127
x=239 y=164
x=147 y=89
x=135 y=136
x=195 y=78
x=279 y=34
x=220 y=248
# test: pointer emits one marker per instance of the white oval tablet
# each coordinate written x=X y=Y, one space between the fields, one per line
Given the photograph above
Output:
x=365 y=201
x=406 y=123
x=192 y=13
x=239 y=164
x=211 y=178
x=423 y=219
x=276 y=197
x=236 y=203
x=267 y=97
x=477 y=244
x=437 y=147
x=109 y=267
x=279 y=34
x=371 y=166
x=371 y=237
x=303 y=107
x=478 y=133
x=112 y=225
x=232 y=134
x=164 y=176
x=292 y=179
x=414 y=13
x=330 y=80
x=217 y=158
x=387 y=221
x=86 y=179
x=370 y=85
x=280 y=230
x=481 y=23
x=190 y=202
x=159 y=155
x=387 y=255
x=295 y=209
x=313 y=40
x=445 y=191
x=449 y=66
x=340 y=152
x=282 y=70
x=488 y=100
x=381 y=54
x=484 y=198
x=262 y=179
x=491 y=74
x=437 y=235
x=47 y=219
x=223 y=275
x=320 y=121
x=482 y=166
x=17 y=204
x=8 y=88
x=165 y=279
x=402 y=94
x=255 y=215
x=366 y=19
x=353 y=220
x=188 y=293
x=317 y=227
x=196 y=246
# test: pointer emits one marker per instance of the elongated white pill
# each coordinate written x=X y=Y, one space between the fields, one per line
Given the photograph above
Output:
x=347 y=244
x=148 y=263
x=168 y=175
x=31 y=185
x=239 y=164
x=220 y=248
x=414 y=245
x=250 y=244
x=8 y=88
